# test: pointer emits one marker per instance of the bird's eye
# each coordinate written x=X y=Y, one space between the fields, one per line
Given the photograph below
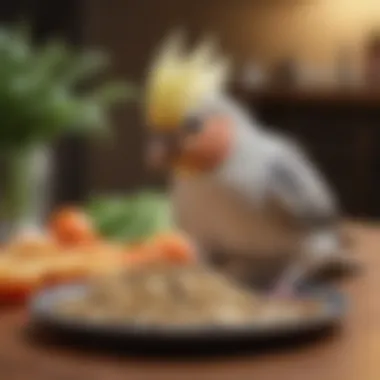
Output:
x=193 y=125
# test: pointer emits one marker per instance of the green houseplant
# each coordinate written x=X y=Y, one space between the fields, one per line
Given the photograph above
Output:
x=46 y=92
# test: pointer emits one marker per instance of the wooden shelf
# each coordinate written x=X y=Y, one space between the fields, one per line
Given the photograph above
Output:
x=326 y=97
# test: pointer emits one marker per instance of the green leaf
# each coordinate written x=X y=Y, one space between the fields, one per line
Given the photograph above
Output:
x=133 y=217
x=84 y=67
x=39 y=97
x=51 y=60
x=114 y=92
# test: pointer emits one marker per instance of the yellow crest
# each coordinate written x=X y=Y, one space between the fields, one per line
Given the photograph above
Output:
x=178 y=82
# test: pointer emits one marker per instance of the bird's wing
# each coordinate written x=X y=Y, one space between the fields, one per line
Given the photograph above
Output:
x=297 y=183
x=303 y=191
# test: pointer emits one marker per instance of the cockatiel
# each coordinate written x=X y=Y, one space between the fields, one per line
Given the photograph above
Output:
x=238 y=189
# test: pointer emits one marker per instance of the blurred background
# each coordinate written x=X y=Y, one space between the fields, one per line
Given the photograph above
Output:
x=308 y=68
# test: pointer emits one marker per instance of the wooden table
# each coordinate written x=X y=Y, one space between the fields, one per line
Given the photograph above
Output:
x=353 y=354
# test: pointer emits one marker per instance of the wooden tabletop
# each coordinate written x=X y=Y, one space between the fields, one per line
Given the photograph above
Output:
x=351 y=354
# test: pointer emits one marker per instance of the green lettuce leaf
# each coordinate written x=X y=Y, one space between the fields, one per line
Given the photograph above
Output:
x=131 y=218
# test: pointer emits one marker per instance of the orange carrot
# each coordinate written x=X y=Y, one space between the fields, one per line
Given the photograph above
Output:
x=174 y=248
x=71 y=226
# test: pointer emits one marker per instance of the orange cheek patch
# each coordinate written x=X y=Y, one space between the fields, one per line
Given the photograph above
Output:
x=208 y=148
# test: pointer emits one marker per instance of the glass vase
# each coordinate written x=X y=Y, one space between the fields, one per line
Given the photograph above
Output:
x=26 y=189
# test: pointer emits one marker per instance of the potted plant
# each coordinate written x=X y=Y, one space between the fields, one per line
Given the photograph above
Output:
x=46 y=92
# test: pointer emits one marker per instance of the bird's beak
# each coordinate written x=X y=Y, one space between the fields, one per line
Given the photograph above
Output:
x=161 y=152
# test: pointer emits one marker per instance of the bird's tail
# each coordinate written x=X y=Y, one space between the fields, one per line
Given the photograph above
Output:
x=321 y=250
